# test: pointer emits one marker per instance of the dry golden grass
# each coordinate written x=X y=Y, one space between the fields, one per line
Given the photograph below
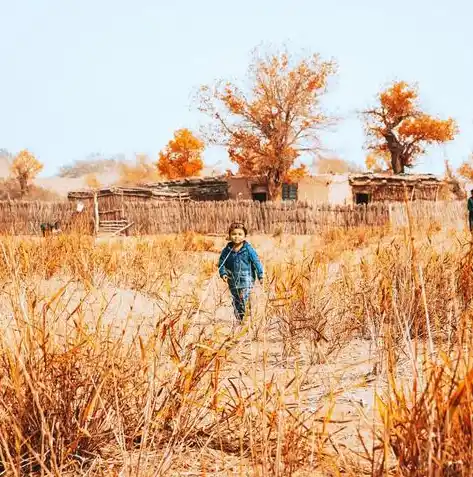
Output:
x=120 y=357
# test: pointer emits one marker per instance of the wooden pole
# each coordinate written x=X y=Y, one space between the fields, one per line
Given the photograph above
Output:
x=96 y=214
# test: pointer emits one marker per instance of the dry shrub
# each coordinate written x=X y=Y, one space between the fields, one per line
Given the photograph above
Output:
x=192 y=242
x=465 y=275
x=187 y=242
x=63 y=405
x=74 y=255
x=142 y=170
x=278 y=440
x=302 y=309
x=68 y=402
x=136 y=263
x=79 y=394
x=429 y=427
x=93 y=165
x=387 y=289
x=338 y=240
x=433 y=228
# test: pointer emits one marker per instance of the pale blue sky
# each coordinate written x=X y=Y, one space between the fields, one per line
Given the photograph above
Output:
x=116 y=76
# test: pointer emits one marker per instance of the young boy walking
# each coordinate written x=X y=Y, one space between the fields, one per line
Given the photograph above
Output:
x=239 y=266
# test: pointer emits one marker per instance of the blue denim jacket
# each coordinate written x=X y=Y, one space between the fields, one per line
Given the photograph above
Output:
x=241 y=267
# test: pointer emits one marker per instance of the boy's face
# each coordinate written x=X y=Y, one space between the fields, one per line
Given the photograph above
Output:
x=237 y=236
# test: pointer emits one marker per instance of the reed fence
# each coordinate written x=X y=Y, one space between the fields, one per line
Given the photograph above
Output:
x=448 y=214
x=265 y=218
x=24 y=218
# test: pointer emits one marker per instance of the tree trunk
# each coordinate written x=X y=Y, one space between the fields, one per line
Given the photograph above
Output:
x=274 y=188
x=396 y=162
x=395 y=149
x=23 y=185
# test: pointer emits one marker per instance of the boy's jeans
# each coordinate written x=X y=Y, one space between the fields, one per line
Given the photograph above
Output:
x=240 y=300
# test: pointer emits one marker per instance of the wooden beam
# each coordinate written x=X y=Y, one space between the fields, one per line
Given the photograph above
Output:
x=123 y=229
x=110 y=211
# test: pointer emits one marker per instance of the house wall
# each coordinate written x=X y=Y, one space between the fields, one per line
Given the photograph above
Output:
x=325 y=188
x=340 y=191
x=242 y=187
x=314 y=189
x=239 y=188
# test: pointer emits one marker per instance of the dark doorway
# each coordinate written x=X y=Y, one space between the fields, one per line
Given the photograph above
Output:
x=260 y=196
x=362 y=198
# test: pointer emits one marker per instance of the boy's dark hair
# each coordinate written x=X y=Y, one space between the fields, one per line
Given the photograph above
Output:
x=237 y=225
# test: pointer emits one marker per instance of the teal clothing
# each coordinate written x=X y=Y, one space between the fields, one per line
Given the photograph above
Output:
x=242 y=268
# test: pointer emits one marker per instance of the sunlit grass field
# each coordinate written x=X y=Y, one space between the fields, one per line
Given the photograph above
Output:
x=120 y=357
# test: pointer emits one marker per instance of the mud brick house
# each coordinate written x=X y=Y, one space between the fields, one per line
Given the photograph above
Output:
x=222 y=188
x=348 y=189
x=367 y=188
x=194 y=188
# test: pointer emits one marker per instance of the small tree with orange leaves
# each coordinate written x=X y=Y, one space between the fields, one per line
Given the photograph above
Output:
x=182 y=156
x=398 y=126
x=466 y=169
x=24 y=168
x=268 y=128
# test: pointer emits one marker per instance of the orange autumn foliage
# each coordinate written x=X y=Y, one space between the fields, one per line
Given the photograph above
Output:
x=466 y=169
x=267 y=127
x=182 y=156
x=24 y=168
x=398 y=127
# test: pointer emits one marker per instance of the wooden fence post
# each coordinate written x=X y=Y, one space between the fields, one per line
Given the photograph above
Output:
x=96 y=214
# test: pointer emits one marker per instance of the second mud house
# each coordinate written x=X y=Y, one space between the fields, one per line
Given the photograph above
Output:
x=348 y=189
x=366 y=188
